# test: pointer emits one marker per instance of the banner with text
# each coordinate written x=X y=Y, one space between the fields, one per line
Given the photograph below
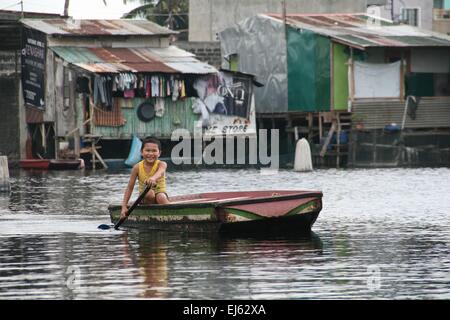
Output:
x=33 y=67
x=226 y=104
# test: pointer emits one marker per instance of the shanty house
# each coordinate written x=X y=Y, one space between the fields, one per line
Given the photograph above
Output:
x=10 y=45
x=394 y=81
x=103 y=81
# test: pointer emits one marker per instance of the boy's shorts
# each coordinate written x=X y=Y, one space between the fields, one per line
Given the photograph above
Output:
x=156 y=193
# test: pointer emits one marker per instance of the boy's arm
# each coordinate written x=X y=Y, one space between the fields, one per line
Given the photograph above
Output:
x=130 y=187
x=159 y=173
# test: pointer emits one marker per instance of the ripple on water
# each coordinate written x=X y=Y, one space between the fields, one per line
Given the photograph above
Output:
x=382 y=234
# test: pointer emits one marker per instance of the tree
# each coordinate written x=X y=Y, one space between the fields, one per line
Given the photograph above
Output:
x=172 y=14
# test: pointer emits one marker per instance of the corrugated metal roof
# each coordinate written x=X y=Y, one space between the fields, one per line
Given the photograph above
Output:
x=123 y=27
x=114 y=60
x=362 y=31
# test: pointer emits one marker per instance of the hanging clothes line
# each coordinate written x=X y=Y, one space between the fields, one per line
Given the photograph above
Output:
x=130 y=85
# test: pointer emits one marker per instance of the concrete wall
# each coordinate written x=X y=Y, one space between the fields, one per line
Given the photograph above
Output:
x=208 y=17
x=442 y=26
x=208 y=52
x=425 y=11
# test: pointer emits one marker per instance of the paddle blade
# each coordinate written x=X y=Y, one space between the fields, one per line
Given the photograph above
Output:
x=104 y=227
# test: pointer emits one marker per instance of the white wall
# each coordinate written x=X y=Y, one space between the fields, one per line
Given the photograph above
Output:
x=425 y=9
x=208 y=17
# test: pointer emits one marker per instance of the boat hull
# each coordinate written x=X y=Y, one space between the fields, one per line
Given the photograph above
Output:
x=41 y=164
x=291 y=212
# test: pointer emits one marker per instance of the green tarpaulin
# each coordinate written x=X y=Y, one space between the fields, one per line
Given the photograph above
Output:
x=308 y=56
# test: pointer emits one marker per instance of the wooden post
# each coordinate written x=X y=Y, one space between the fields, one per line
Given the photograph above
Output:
x=310 y=127
x=374 y=151
x=354 y=144
x=320 y=127
x=338 y=140
x=91 y=126
x=402 y=79
x=4 y=174
x=351 y=70
x=72 y=104
x=331 y=76
x=99 y=158
x=328 y=140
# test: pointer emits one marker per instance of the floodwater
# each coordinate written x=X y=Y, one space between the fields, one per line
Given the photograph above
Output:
x=382 y=234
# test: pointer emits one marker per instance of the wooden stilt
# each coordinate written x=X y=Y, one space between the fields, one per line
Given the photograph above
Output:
x=338 y=140
x=328 y=140
x=310 y=127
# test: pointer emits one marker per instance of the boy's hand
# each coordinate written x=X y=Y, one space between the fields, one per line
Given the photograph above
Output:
x=124 y=212
x=150 y=182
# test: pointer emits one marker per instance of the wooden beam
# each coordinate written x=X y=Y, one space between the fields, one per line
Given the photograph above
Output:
x=338 y=139
x=402 y=79
x=95 y=152
x=320 y=126
x=331 y=75
x=351 y=79
x=310 y=127
x=328 y=140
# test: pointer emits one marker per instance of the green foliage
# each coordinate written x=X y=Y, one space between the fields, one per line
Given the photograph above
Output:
x=172 y=14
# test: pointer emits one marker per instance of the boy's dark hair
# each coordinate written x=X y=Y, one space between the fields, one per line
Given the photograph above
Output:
x=150 y=140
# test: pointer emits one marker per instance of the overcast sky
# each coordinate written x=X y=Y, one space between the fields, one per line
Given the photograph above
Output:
x=79 y=9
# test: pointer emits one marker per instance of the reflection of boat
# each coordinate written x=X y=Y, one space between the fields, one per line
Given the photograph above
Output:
x=230 y=212
x=34 y=163
x=52 y=164
x=64 y=164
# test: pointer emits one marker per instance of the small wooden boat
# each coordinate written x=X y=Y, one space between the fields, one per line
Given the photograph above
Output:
x=64 y=164
x=229 y=212
x=41 y=164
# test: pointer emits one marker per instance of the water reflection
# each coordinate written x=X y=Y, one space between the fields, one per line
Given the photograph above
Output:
x=51 y=247
x=149 y=254
x=173 y=265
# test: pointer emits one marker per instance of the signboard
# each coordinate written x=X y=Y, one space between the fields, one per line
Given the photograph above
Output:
x=33 y=67
x=227 y=105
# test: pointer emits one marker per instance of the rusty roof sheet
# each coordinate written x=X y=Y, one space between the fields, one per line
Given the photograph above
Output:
x=118 y=27
x=361 y=31
x=151 y=60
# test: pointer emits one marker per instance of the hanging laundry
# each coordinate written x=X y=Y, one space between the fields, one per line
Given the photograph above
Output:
x=129 y=93
x=103 y=91
x=159 y=108
x=155 y=86
x=175 y=91
x=167 y=88
x=148 y=84
x=183 y=89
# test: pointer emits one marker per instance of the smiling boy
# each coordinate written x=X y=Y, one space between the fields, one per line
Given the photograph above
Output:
x=149 y=171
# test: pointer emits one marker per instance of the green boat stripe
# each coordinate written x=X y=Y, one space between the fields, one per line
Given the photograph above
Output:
x=143 y=211
x=254 y=216
x=167 y=212
x=300 y=208
x=244 y=213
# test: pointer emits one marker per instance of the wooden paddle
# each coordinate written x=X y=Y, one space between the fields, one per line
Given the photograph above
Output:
x=134 y=205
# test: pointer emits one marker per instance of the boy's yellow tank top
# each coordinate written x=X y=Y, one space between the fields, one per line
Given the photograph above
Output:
x=143 y=175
